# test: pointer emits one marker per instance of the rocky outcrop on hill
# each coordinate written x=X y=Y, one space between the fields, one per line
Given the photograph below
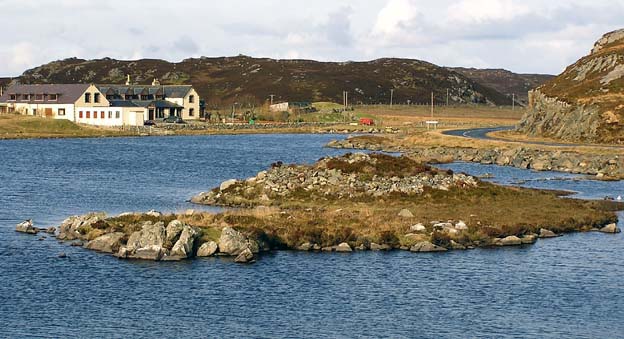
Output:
x=604 y=166
x=586 y=102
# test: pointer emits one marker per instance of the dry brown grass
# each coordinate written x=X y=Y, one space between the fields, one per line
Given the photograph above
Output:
x=22 y=127
x=465 y=115
x=490 y=211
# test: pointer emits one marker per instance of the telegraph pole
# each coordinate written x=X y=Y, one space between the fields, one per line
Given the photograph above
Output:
x=272 y=96
x=513 y=101
x=447 y=97
x=432 y=104
x=391 y=97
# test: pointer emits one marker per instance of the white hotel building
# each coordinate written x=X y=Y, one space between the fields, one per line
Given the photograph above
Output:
x=102 y=105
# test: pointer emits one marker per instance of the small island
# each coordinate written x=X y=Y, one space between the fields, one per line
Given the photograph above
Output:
x=356 y=202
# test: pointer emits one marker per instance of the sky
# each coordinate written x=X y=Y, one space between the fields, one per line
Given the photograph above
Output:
x=525 y=36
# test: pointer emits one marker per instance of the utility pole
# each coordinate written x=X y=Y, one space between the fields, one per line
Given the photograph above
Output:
x=233 y=110
x=447 y=97
x=432 y=104
x=391 y=97
x=513 y=101
x=272 y=96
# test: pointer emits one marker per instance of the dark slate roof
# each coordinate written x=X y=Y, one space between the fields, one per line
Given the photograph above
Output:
x=165 y=104
x=123 y=103
x=171 y=91
x=144 y=103
x=67 y=93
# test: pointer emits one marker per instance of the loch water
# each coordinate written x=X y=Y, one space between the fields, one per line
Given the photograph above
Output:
x=568 y=287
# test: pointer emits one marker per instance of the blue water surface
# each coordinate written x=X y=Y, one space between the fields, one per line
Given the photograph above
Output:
x=569 y=287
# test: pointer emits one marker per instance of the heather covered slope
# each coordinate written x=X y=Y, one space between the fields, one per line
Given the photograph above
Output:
x=586 y=102
x=224 y=80
x=506 y=82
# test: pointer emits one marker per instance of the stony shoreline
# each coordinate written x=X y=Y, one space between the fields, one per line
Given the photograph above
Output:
x=606 y=167
x=153 y=240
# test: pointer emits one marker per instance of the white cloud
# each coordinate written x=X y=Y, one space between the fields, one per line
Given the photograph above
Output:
x=22 y=56
x=395 y=17
x=525 y=36
x=479 y=11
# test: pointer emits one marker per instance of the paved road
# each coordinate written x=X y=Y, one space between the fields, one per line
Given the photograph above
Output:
x=482 y=134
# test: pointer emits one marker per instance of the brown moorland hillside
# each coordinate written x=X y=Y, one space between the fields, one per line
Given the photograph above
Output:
x=227 y=79
x=506 y=82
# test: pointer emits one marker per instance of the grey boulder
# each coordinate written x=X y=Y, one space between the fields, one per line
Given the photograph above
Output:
x=344 y=248
x=544 y=233
x=509 y=241
x=244 y=257
x=183 y=248
x=232 y=242
x=611 y=229
x=26 y=227
x=426 y=246
x=207 y=249
x=108 y=243
x=405 y=213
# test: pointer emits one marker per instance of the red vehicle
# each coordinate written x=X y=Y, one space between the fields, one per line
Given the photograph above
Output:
x=367 y=122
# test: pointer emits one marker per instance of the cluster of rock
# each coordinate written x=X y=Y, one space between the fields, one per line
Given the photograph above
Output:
x=28 y=227
x=600 y=165
x=154 y=241
x=283 y=181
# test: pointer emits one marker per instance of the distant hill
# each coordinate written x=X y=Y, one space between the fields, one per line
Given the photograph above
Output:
x=585 y=102
x=506 y=82
x=5 y=82
x=225 y=80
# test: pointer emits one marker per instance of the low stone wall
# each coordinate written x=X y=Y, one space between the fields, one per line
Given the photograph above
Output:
x=602 y=166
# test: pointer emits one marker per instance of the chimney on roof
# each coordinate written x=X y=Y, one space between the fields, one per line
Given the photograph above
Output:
x=156 y=82
x=128 y=81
